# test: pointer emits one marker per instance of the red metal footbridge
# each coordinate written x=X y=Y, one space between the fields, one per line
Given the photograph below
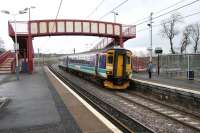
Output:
x=113 y=33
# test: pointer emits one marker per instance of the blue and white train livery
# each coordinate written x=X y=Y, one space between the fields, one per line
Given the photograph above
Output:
x=112 y=66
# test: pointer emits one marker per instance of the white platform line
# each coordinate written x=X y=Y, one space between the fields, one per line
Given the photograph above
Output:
x=167 y=86
x=89 y=107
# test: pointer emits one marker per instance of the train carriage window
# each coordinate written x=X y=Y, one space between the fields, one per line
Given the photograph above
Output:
x=99 y=60
x=110 y=59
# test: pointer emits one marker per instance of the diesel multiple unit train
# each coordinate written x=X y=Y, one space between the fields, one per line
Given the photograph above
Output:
x=112 y=67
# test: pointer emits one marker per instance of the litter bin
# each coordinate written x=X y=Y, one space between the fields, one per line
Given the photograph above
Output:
x=190 y=75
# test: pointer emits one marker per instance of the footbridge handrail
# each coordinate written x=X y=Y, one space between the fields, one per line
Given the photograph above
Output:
x=4 y=55
x=128 y=32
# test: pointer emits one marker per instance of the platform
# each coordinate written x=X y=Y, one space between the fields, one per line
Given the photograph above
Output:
x=88 y=119
x=182 y=93
x=40 y=104
x=34 y=106
x=174 y=82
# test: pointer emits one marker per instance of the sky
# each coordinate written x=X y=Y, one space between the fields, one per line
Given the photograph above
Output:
x=129 y=14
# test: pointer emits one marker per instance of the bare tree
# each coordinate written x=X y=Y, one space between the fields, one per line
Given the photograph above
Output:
x=186 y=38
x=195 y=35
x=169 y=29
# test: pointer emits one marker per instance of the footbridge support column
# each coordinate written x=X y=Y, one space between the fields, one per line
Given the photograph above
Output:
x=121 y=44
x=30 y=55
x=30 y=50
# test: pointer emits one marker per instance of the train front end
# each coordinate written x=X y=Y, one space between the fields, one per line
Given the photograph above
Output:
x=118 y=68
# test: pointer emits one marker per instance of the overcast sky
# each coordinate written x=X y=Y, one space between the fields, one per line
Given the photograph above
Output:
x=129 y=13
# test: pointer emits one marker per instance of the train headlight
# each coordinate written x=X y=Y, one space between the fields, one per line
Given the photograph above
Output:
x=128 y=73
x=109 y=72
x=130 y=76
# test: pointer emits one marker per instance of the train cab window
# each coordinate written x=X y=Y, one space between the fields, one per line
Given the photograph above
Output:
x=102 y=61
x=110 y=59
x=128 y=61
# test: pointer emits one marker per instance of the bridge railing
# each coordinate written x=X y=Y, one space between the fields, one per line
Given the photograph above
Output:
x=65 y=27
x=5 y=55
x=21 y=27
x=43 y=27
x=129 y=30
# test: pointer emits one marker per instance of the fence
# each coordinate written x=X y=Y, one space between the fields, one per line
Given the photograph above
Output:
x=171 y=65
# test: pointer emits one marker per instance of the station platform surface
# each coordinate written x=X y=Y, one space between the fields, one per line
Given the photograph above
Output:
x=169 y=81
x=88 y=119
x=39 y=104
x=33 y=107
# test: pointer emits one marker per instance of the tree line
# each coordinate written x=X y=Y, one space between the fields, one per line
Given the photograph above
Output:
x=190 y=33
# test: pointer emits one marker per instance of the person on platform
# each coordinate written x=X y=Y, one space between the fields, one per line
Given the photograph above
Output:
x=150 y=69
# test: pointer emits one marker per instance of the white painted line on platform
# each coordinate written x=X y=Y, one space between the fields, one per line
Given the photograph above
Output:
x=175 y=115
x=193 y=123
x=159 y=109
x=89 y=107
x=167 y=86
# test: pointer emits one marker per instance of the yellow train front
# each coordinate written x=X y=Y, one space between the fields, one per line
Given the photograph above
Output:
x=118 y=68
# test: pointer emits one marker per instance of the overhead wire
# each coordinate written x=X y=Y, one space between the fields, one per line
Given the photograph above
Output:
x=173 y=5
x=96 y=8
x=169 y=12
x=93 y=11
x=116 y=7
x=187 y=16
x=58 y=11
x=161 y=10
x=113 y=9
x=156 y=12
x=57 y=14
x=177 y=9
x=122 y=3
x=59 y=8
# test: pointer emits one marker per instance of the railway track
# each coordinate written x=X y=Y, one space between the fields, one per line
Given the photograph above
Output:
x=150 y=118
x=118 y=118
x=187 y=119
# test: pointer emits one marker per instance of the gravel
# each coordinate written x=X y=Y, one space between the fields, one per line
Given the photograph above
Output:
x=155 y=121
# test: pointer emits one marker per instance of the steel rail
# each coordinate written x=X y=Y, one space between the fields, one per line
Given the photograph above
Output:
x=167 y=105
x=153 y=110
x=118 y=118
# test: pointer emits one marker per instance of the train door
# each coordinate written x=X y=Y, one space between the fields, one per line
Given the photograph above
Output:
x=96 y=64
x=110 y=63
x=120 y=62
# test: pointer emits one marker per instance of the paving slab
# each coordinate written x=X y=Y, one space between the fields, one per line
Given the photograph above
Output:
x=33 y=107
x=32 y=103
x=84 y=116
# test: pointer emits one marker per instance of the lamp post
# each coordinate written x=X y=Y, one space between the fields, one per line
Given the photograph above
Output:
x=29 y=11
x=115 y=14
x=16 y=47
x=150 y=26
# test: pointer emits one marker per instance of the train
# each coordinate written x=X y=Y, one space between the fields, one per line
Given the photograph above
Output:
x=112 y=67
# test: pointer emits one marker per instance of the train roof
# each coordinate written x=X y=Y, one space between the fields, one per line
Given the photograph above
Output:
x=95 y=51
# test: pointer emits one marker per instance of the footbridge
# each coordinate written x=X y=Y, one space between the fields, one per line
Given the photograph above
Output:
x=113 y=33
